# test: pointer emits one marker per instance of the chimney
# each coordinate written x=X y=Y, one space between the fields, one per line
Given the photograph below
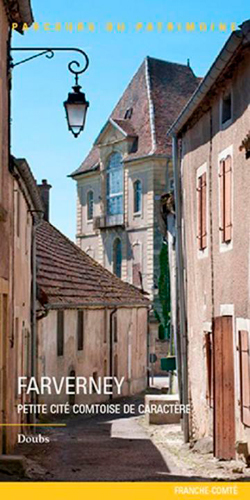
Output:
x=44 y=193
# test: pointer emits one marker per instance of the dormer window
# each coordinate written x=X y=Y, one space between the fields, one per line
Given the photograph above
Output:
x=226 y=108
x=115 y=185
x=128 y=114
x=90 y=205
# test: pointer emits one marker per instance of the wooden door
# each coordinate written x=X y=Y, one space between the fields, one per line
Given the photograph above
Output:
x=224 y=405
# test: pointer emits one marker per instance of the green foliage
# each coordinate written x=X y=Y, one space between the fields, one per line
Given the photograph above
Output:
x=163 y=315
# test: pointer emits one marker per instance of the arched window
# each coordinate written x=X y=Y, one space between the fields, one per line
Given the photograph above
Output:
x=117 y=257
x=115 y=185
x=90 y=205
x=137 y=196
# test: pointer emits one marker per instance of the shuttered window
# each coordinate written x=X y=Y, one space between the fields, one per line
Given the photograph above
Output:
x=202 y=211
x=60 y=333
x=244 y=376
x=80 y=330
x=210 y=370
x=226 y=199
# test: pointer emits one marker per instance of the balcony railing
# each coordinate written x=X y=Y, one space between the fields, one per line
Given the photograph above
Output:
x=104 y=221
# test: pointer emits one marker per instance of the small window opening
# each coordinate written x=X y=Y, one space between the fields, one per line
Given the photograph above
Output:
x=226 y=108
x=128 y=114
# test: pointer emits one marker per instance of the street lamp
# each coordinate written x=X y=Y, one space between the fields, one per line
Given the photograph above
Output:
x=76 y=105
x=76 y=109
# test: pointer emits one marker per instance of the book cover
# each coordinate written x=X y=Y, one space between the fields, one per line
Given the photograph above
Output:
x=124 y=249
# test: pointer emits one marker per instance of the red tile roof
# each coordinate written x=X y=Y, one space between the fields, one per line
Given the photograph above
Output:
x=156 y=94
x=67 y=277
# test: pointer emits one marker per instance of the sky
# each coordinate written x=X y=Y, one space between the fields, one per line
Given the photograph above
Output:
x=39 y=129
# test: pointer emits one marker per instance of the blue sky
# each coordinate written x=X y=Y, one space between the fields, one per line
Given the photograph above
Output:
x=39 y=131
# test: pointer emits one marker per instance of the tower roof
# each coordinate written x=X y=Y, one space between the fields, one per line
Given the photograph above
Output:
x=151 y=102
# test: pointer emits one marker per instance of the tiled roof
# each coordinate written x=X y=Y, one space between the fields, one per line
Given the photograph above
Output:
x=67 y=277
x=156 y=95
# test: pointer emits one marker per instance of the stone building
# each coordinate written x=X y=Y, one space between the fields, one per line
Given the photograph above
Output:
x=89 y=322
x=10 y=12
x=212 y=181
x=120 y=182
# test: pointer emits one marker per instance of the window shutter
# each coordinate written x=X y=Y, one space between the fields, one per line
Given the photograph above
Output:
x=222 y=200
x=244 y=376
x=228 y=199
x=199 y=213
x=204 y=211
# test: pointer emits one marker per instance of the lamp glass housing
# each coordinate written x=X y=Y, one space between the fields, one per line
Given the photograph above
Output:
x=76 y=109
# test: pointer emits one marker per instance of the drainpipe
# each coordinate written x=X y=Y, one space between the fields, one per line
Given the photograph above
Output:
x=36 y=223
x=181 y=289
x=111 y=344
x=148 y=348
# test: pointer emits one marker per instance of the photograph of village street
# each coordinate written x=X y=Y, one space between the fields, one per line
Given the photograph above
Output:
x=124 y=241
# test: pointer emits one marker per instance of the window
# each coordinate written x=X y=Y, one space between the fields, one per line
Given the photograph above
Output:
x=117 y=257
x=115 y=185
x=225 y=175
x=226 y=112
x=137 y=197
x=90 y=205
x=128 y=114
x=80 y=330
x=244 y=377
x=60 y=333
x=210 y=371
x=202 y=211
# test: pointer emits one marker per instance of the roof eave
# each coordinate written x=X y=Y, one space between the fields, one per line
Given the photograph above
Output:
x=19 y=12
x=23 y=170
x=88 y=171
x=208 y=81
x=68 y=305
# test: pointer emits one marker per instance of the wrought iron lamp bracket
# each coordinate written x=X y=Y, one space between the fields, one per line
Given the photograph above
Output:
x=49 y=52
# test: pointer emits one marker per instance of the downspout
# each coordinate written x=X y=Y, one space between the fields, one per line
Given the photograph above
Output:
x=36 y=222
x=111 y=344
x=181 y=288
x=148 y=348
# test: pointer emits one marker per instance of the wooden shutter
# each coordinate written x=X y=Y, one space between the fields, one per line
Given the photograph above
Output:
x=199 y=213
x=228 y=199
x=202 y=211
x=244 y=377
x=222 y=200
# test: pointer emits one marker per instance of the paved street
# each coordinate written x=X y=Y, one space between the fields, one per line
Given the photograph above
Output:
x=100 y=448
